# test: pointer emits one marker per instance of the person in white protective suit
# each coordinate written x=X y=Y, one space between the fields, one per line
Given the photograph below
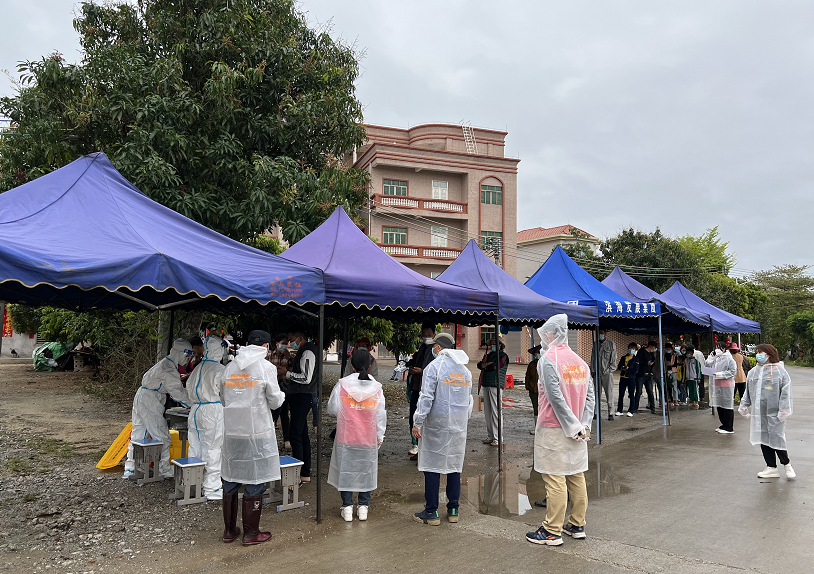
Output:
x=357 y=402
x=722 y=387
x=439 y=424
x=563 y=430
x=249 y=456
x=148 y=405
x=206 y=416
x=768 y=392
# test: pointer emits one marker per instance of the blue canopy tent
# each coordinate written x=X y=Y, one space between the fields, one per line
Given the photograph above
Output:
x=676 y=318
x=721 y=321
x=561 y=279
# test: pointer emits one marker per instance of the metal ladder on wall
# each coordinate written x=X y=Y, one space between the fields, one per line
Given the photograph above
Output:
x=469 y=138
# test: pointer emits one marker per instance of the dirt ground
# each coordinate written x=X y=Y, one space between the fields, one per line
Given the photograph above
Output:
x=58 y=513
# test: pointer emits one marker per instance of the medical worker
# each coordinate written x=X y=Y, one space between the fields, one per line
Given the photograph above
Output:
x=440 y=421
x=148 y=405
x=206 y=416
x=768 y=392
x=722 y=387
x=357 y=402
x=249 y=456
x=563 y=430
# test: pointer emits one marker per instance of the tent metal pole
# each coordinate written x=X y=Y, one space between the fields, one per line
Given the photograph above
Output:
x=320 y=368
x=598 y=408
x=454 y=339
x=663 y=401
x=172 y=326
x=345 y=349
x=711 y=379
x=2 y=323
x=500 y=384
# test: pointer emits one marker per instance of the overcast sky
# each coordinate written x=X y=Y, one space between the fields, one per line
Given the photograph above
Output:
x=682 y=115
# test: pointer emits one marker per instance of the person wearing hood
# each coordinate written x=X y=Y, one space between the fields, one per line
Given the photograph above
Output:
x=250 y=457
x=722 y=387
x=444 y=408
x=563 y=430
x=415 y=369
x=768 y=392
x=363 y=344
x=206 y=416
x=357 y=402
x=148 y=405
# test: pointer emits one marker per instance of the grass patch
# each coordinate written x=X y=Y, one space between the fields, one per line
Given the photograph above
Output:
x=53 y=447
x=107 y=391
x=16 y=465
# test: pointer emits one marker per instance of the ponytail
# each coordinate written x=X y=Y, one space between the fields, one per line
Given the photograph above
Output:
x=360 y=361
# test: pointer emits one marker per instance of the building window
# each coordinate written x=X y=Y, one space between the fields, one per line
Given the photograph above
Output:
x=395 y=187
x=491 y=194
x=395 y=235
x=439 y=236
x=491 y=241
x=486 y=333
x=439 y=190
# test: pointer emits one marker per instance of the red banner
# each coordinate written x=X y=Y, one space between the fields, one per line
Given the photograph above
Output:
x=7 y=332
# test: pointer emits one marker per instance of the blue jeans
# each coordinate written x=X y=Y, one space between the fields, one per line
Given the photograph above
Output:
x=432 y=485
x=251 y=489
x=347 y=498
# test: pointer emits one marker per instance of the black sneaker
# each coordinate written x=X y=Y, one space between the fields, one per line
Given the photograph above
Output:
x=452 y=515
x=541 y=503
x=430 y=518
x=542 y=536
x=576 y=532
x=610 y=417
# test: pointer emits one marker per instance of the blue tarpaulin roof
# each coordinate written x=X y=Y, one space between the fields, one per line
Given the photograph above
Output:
x=75 y=236
x=722 y=321
x=518 y=304
x=358 y=274
x=561 y=279
x=676 y=316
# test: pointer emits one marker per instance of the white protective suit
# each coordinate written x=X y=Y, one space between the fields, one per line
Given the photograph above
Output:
x=361 y=421
x=442 y=415
x=768 y=392
x=722 y=384
x=206 y=417
x=249 y=393
x=148 y=404
x=566 y=403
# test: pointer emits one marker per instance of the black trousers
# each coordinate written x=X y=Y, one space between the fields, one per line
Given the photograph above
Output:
x=535 y=402
x=740 y=388
x=285 y=424
x=645 y=381
x=629 y=385
x=413 y=407
x=727 y=418
x=768 y=456
x=300 y=405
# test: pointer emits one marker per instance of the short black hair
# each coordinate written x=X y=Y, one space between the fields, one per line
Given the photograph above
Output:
x=691 y=348
x=428 y=326
x=195 y=341
x=652 y=344
x=297 y=329
x=280 y=337
x=632 y=344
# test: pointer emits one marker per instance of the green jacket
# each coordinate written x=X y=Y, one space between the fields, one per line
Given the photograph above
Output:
x=490 y=373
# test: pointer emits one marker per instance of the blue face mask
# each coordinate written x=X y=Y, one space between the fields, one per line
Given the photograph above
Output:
x=536 y=356
x=761 y=358
x=293 y=346
x=434 y=354
x=601 y=337
x=282 y=347
x=494 y=347
x=631 y=351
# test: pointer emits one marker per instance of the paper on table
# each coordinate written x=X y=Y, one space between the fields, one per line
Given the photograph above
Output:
x=708 y=370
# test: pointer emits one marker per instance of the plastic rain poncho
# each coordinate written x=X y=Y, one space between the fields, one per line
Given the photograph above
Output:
x=148 y=404
x=566 y=403
x=768 y=392
x=722 y=384
x=206 y=417
x=361 y=421
x=442 y=415
x=249 y=394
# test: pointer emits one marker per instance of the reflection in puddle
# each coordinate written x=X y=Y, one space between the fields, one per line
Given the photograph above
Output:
x=521 y=486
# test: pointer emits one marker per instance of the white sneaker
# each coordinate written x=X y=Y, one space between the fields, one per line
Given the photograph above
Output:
x=769 y=473
x=618 y=414
x=494 y=443
x=629 y=414
x=790 y=471
x=413 y=449
x=346 y=512
x=361 y=512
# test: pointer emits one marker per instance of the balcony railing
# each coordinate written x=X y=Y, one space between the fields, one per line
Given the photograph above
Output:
x=406 y=202
x=419 y=251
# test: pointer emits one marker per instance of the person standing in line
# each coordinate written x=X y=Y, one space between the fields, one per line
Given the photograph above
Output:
x=563 y=429
x=629 y=366
x=668 y=370
x=644 y=376
x=363 y=344
x=768 y=392
x=692 y=375
x=357 y=402
x=743 y=368
x=415 y=369
x=441 y=420
x=722 y=387
x=531 y=380
x=494 y=365
x=302 y=381
x=250 y=457
x=699 y=356
x=607 y=365
x=280 y=357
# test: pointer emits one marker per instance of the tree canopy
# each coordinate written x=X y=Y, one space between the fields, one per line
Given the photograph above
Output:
x=237 y=115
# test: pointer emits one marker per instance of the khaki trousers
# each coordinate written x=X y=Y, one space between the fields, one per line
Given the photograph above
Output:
x=558 y=489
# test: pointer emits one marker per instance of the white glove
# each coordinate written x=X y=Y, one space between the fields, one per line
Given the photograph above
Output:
x=379 y=443
x=744 y=411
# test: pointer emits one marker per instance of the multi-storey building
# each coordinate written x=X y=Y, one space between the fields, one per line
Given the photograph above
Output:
x=432 y=188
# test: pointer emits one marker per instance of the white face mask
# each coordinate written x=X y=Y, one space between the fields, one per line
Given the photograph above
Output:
x=428 y=340
x=601 y=337
x=761 y=358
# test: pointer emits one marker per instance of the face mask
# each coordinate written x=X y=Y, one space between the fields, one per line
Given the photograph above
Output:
x=282 y=347
x=631 y=351
x=668 y=351
x=293 y=346
x=601 y=337
x=493 y=347
x=689 y=354
x=434 y=354
x=761 y=358
x=678 y=349
x=536 y=356
x=428 y=340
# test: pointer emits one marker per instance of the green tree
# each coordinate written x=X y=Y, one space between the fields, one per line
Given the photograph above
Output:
x=405 y=339
x=801 y=326
x=235 y=114
x=789 y=290
x=710 y=250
